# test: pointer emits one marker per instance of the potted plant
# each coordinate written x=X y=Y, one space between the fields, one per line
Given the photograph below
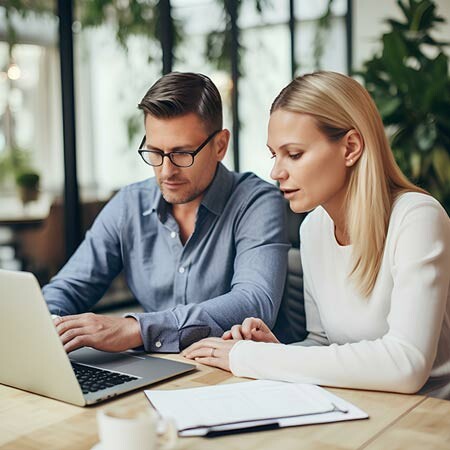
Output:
x=410 y=83
x=13 y=160
x=28 y=185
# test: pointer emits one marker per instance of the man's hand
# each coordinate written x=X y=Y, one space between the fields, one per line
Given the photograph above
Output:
x=251 y=329
x=111 y=334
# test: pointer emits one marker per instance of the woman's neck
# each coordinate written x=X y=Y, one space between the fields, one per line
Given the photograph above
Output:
x=335 y=208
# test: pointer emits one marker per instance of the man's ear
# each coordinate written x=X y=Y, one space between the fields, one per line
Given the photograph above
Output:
x=221 y=143
x=354 y=146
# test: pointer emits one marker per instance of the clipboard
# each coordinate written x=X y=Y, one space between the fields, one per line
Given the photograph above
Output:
x=250 y=406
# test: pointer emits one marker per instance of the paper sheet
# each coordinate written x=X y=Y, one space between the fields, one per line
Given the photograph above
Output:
x=198 y=410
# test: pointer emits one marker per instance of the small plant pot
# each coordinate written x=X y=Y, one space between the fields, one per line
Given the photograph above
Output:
x=28 y=194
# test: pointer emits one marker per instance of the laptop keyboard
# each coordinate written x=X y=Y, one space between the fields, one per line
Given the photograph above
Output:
x=92 y=379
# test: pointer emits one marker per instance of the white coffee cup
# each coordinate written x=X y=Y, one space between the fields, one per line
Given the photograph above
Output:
x=128 y=429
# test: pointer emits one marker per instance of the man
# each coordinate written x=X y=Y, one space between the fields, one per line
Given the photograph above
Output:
x=201 y=247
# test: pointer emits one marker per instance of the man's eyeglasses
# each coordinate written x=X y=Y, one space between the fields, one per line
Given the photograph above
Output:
x=181 y=158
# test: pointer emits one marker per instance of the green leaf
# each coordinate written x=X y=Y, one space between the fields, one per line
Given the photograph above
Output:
x=394 y=54
x=423 y=15
x=426 y=135
x=439 y=67
x=388 y=105
x=416 y=162
x=441 y=164
x=134 y=126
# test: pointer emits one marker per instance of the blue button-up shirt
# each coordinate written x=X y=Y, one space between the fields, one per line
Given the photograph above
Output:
x=233 y=266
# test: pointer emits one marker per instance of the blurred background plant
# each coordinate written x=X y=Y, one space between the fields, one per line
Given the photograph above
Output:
x=410 y=83
x=13 y=159
x=218 y=42
x=13 y=162
x=131 y=18
x=322 y=34
x=28 y=185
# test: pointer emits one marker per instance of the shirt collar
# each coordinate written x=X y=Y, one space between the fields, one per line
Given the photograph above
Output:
x=214 y=199
x=158 y=205
x=219 y=191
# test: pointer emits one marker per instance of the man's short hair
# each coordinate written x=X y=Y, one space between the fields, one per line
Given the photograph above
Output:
x=177 y=94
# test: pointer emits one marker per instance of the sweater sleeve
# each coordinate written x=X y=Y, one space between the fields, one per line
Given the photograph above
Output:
x=400 y=360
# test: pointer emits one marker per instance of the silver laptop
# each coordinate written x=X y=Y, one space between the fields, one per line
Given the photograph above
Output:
x=33 y=358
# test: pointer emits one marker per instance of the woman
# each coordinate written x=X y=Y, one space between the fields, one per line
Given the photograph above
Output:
x=375 y=252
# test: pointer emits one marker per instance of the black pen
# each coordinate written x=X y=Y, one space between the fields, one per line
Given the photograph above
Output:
x=216 y=433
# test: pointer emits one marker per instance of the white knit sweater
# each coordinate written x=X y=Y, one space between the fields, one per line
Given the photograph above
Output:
x=396 y=339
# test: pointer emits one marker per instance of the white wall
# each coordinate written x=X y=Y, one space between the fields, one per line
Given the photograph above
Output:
x=368 y=25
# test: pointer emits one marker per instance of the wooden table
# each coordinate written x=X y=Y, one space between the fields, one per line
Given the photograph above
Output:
x=28 y=421
x=16 y=215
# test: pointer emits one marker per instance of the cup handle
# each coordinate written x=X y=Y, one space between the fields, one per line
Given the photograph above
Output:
x=167 y=434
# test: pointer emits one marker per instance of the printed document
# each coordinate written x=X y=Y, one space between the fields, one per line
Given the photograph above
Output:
x=197 y=411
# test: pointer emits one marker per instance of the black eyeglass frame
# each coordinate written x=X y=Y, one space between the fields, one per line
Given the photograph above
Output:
x=142 y=151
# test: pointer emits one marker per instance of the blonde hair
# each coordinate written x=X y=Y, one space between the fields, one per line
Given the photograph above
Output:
x=340 y=104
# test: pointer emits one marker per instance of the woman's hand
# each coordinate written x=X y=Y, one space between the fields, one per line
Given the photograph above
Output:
x=251 y=329
x=211 y=351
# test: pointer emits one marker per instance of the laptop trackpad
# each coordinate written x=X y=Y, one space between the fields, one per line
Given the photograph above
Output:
x=134 y=364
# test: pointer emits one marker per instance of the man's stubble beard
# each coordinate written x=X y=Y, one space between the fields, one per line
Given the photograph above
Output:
x=180 y=199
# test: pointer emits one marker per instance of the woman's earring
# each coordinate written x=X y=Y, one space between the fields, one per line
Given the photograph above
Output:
x=351 y=161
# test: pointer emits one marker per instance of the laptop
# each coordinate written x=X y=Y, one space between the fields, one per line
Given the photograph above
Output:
x=32 y=356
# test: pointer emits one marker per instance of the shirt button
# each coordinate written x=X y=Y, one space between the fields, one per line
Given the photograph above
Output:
x=173 y=235
x=158 y=344
x=181 y=269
